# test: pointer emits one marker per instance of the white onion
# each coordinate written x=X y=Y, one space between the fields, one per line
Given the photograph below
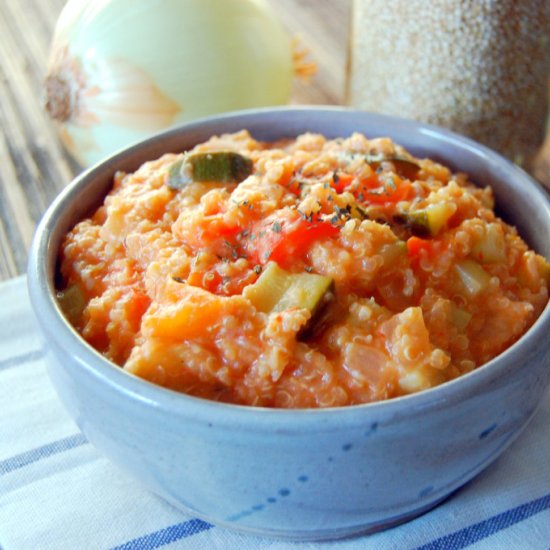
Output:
x=121 y=70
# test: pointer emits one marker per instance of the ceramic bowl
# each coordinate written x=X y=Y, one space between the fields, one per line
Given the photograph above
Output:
x=299 y=474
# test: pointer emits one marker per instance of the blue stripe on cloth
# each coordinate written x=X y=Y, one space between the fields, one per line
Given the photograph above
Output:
x=490 y=526
x=166 y=536
x=20 y=359
x=34 y=455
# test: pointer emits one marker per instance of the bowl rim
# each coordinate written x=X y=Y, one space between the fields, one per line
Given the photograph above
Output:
x=57 y=329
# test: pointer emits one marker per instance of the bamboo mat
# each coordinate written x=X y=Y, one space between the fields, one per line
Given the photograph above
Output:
x=33 y=164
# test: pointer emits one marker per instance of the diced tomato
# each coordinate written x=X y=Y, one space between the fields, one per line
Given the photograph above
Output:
x=295 y=186
x=285 y=240
x=340 y=181
x=220 y=238
x=415 y=246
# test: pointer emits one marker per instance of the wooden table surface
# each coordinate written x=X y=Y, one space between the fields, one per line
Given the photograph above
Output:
x=33 y=164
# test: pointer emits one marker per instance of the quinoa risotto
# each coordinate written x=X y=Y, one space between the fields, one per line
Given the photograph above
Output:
x=302 y=273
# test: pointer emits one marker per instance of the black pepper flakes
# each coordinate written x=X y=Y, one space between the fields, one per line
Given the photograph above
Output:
x=343 y=211
x=233 y=252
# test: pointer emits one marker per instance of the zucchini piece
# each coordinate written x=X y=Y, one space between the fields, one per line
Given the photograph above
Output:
x=404 y=167
x=223 y=166
x=215 y=166
x=417 y=223
x=492 y=246
x=358 y=212
x=460 y=317
x=178 y=175
x=473 y=276
x=428 y=221
x=72 y=303
x=278 y=290
x=438 y=215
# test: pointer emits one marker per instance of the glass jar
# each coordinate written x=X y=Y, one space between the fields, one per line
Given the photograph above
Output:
x=478 y=67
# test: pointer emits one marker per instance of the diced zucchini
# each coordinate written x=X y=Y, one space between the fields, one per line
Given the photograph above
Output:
x=72 y=303
x=176 y=177
x=405 y=167
x=428 y=221
x=491 y=248
x=306 y=290
x=438 y=215
x=358 y=212
x=223 y=166
x=278 y=290
x=268 y=289
x=215 y=166
x=460 y=317
x=417 y=223
x=473 y=276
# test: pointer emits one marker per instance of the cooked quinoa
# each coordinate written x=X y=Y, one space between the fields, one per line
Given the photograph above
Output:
x=311 y=273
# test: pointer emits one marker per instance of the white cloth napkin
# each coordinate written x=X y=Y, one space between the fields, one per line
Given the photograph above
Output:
x=58 y=492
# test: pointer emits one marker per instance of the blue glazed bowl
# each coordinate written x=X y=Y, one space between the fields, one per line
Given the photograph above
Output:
x=299 y=474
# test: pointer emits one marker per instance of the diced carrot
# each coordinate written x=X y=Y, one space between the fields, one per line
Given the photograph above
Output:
x=415 y=245
x=190 y=317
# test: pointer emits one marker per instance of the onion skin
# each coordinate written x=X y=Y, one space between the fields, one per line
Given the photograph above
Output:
x=121 y=70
